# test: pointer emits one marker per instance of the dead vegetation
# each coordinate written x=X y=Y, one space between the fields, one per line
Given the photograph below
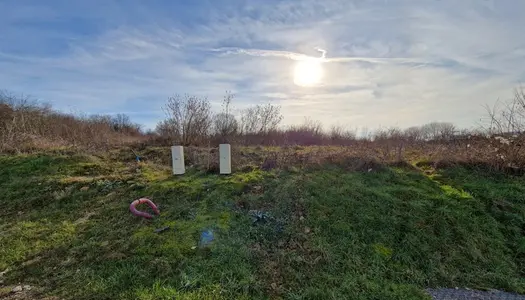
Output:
x=27 y=126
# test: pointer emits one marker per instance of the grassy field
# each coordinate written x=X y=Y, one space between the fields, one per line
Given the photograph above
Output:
x=386 y=232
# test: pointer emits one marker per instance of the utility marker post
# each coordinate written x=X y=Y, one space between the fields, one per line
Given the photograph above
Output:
x=225 y=159
x=177 y=158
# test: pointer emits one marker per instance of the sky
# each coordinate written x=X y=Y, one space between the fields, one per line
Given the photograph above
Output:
x=386 y=63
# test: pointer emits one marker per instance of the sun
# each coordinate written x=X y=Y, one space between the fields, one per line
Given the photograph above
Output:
x=308 y=72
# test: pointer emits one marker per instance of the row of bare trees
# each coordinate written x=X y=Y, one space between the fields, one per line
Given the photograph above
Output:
x=190 y=121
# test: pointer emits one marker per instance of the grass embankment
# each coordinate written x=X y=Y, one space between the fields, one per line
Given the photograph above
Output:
x=65 y=229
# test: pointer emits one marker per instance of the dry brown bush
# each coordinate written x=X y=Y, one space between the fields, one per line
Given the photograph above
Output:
x=27 y=125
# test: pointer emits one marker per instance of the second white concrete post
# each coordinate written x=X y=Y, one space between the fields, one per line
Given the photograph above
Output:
x=225 y=159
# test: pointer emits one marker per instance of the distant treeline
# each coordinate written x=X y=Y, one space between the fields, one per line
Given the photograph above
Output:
x=26 y=124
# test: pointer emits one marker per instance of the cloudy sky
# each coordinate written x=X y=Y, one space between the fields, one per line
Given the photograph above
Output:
x=387 y=62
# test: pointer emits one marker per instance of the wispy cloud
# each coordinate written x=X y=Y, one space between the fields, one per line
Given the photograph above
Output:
x=385 y=63
x=300 y=57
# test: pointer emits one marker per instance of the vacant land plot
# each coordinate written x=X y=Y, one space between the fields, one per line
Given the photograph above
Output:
x=330 y=232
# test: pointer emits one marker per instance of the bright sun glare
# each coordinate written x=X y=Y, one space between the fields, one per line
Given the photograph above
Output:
x=308 y=72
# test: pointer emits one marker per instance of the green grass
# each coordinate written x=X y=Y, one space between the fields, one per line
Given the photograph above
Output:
x=65 y=228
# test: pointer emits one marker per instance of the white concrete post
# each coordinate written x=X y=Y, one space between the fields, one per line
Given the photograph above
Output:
x=225 y=159
x=177 y=158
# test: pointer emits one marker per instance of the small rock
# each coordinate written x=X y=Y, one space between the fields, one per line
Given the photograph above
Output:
x=306 y=230
x=193 y=248
x=84 y=188
x=27 y=287
x=301 y=218
x=17 y=289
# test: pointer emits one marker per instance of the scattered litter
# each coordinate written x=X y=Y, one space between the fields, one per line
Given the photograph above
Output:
x=193 y=247
x=259 y=216
x=159 y=230
x=27 y=287
x=306 y=230
x=137 y=157
x=207 y=237
x=141 y=213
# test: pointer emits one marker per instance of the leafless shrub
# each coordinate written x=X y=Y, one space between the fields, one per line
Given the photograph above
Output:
x=414 y=134
x=340 y=135
x=188 y=120
x=508 y=117
x=260 y=119
x=438 y=131
x=505 y=131
x=224 y=123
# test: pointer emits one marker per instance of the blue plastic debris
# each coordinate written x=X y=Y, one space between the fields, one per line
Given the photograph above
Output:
x=207 y=237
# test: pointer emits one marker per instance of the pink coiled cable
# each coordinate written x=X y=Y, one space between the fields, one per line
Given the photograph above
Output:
x=141 y=213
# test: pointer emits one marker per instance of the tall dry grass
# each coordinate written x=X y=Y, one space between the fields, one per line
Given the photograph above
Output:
x=27 y=125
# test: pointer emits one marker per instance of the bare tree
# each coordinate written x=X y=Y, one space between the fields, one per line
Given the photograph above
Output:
x=224 y=123
x=414 y=134
x=123 y=123
x=189 y=118
x=260 y=119
x=509 y=116
x=438 y=131
x=313 y=126
x=336 y=132
x=339 y=134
